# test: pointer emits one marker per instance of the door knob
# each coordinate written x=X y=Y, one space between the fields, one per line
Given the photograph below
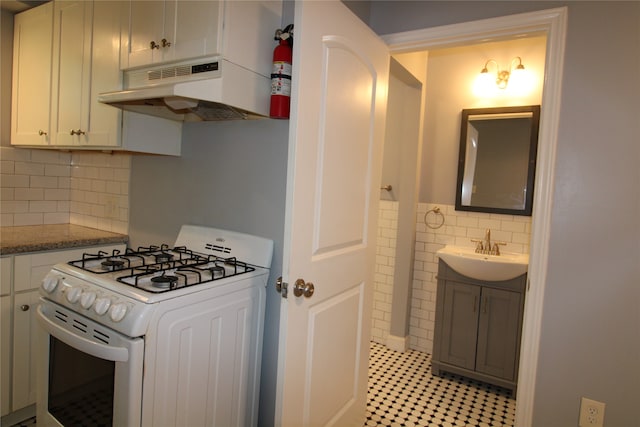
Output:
x=301 y=288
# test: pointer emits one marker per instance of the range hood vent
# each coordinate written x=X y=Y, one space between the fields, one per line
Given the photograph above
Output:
x=205 y=89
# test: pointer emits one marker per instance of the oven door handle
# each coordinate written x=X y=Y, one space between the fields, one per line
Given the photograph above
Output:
x=102 y=351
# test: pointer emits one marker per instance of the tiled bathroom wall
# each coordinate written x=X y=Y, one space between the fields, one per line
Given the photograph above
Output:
x=458 y=228
x=385 y=267
x=57 y=187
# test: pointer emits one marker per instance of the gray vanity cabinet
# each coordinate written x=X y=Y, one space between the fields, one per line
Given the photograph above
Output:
x=478 y=327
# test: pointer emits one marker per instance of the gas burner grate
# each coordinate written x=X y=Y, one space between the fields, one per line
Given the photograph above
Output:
x=209 y=269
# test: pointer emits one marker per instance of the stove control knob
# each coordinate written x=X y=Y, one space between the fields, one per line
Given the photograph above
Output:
x=73 y=295
x=118 y=311
x=102 y=305
x=87 y=299
x=50 y=283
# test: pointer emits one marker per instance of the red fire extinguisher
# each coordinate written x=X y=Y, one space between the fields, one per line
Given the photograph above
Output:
x=281 y=74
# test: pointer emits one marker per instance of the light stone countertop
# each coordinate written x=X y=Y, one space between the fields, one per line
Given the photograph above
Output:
x=33 y=238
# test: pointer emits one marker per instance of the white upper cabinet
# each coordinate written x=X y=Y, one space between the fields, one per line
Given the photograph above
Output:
x=85 y=63
x=171 y=30
x=65 y=54
x=31 y=79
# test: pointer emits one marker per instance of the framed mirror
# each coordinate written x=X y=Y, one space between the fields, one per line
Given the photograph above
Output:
x=497 y=159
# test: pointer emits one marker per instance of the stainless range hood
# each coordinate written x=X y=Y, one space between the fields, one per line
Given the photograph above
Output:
x=205 y=89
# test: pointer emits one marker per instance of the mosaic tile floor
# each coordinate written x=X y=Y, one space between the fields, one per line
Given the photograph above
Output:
x=402 y=392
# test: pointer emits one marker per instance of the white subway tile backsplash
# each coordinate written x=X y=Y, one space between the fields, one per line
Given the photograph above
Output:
x=57 y=194
x=7 y=166
x=13 y=207
x=7 y=194
x=56 y=218
x=29 y=168
x=29 y=194
x=43 y=182
x=29 y=219
x=52 y=157
x=43 y=206
x=14 y=181
x=6 y=219
x=50 y=187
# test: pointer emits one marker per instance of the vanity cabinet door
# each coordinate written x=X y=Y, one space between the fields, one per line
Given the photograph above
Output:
x=478 y=327
x=498 y=333
x=460 y=325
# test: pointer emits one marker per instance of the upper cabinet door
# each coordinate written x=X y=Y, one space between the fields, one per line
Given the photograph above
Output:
x=171 y=30
x=31 y=78
x=146 y=25
x=71 y=69
x=85 y=63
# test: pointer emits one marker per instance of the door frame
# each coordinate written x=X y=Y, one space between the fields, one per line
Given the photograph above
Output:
x=553 y=24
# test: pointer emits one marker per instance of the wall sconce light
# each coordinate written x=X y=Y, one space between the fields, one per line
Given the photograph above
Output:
x=515 y=77
x=502 y=76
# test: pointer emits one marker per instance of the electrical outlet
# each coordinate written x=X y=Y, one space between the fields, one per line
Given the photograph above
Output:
x=591 y=413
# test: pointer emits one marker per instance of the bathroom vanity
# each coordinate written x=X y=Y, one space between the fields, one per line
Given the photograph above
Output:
x=478 y=327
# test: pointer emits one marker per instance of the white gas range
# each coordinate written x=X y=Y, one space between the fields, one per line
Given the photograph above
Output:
x=156 y=336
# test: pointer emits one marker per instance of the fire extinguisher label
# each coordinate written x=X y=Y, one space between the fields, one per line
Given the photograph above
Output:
x=281 y=79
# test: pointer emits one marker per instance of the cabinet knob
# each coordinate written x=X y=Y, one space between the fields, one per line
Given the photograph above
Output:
x=154 y=45
x=24 y=307
x=165 y=43
x=42 y=133
x=77 y=132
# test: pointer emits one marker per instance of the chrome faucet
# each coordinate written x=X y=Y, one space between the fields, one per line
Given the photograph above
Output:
x=485 y=246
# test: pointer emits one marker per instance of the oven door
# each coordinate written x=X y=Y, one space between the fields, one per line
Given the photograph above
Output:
x=88 y=374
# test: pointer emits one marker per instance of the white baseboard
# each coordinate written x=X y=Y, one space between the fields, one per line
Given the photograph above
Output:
x=397 y=343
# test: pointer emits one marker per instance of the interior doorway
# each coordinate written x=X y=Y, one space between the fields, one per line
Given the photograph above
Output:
x=552 y=24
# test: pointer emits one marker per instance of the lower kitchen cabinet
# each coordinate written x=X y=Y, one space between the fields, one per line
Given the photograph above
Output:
x=24 y=349
x=21 y=278
x=478 y=327
x=5 y=360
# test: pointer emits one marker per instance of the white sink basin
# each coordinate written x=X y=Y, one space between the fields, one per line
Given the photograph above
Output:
x=467 y=262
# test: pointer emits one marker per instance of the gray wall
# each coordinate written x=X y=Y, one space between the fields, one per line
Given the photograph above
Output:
x=590 y=337
x=231 y=175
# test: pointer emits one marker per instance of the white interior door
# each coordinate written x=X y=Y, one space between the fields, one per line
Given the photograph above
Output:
x=336 y=138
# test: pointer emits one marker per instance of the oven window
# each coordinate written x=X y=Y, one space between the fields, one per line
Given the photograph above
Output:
x=80 y=386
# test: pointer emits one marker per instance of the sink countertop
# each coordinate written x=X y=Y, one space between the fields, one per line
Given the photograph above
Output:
x=33 y=238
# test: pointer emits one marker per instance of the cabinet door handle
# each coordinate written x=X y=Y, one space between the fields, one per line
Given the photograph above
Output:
x=77 y=132
x=154 y=45
x=165 y=43
x=24 y=307
x=484 y=305
x=42 y=133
